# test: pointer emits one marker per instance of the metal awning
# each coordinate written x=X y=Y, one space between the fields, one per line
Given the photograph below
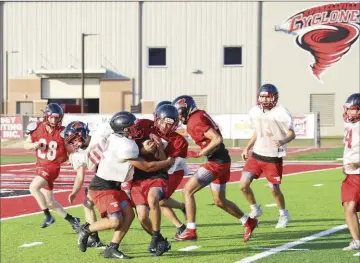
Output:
x=70 y=72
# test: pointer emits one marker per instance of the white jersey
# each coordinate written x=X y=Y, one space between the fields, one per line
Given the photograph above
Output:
x=114 y=165
x=352 y=145
x=91 y=156
x=270 y=126
x=179 y=164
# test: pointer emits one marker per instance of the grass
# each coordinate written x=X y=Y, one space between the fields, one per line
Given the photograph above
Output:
x=331 y=154
x=17 y=159
x=313 y=209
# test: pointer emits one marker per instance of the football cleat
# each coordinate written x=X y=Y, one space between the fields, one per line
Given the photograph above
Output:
x=250 y=226
x=48 y=221
x=76 y=224
x=283 y=221
x=83 y=237
x=354 y=245
x=256 y=212
x=113 y=252
x=187 y=235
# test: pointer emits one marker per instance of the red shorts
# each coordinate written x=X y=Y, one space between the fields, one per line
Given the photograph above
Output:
x=49 y=173
x=140 y=189
x=174 y=181
x=350 y=189
x=272 y=171
x=220 y=172
x=108 y=201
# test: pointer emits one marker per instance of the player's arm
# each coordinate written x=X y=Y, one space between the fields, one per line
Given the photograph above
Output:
x=79 y=181
x=249 y=146
x=29 y=144
x=151 y=166
x=353 y=166
x=215 y=140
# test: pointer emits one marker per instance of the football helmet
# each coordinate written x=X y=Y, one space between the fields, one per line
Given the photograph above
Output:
x=123 y=124
x=166 y=119
x=185 y=105
x=352 y=108
x=53 y=109
x=267 y=96
x=76 y=135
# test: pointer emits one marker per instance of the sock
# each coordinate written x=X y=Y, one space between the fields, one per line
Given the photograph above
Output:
x=244 y=219
x=179 y=226
x=156 y=233
x=191 y=225
x=253 y=207
x=47 y=212
x=283 y=212
x=114 y=245
x=69 y=218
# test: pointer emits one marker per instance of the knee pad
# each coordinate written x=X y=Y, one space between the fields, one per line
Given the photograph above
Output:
x=203 y=176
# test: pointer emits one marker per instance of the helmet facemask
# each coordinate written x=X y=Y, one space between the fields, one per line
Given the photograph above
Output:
x=133 y=132
x=166 y=125
x=266 y=100
x=351 y=113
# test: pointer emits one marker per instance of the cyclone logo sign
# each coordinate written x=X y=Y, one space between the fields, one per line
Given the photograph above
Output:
x=327 y=32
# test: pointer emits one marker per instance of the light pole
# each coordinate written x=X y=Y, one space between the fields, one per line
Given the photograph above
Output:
x=7 y=77
x=83 y=35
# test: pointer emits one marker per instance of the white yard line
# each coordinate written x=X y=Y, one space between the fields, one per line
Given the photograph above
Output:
x=19 y=196
x=189 y=248
x=287 y=246
x=36 y=213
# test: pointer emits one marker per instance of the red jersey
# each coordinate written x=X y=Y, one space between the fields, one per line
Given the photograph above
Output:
x=200 y=122
x=177 y=146
x=52 y=150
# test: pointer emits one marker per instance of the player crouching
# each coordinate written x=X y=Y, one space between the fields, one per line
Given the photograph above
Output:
x=350 y=188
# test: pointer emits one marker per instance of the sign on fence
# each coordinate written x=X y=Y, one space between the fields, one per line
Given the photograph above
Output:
x=11 y=127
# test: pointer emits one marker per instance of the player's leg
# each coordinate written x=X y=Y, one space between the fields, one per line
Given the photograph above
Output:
x=156 y=192
x=250 y=172
x=199 y=180
x=112 y=250
x=169 y=203
x=109 y=203
x=90 y=217
x=172 y=217
x=218 y=190
x=352 y=221
x=273 y=173
x=54 y=205
x=142 y=212
x=350 y=197
x=35 y=186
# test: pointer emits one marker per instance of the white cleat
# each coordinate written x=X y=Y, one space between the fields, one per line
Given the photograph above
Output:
x=354 y=245
x=283 y=221
x=256 y=212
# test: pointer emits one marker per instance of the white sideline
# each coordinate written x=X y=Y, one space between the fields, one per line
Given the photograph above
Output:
x=292 y=244
x=36 y=213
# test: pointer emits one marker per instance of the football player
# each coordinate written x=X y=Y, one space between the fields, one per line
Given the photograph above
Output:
x=215 y=172
x=273 y=130
x=44 y=137
x=120 y=156
x=350 y=188
x=85 y=152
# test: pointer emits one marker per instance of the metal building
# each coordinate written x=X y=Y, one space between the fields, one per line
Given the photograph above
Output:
x=143 y=52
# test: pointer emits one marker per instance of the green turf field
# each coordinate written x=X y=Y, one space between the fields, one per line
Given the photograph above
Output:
x=313 y=209
x=331 y=154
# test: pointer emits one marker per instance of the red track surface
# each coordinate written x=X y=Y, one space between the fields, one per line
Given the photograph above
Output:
x=19 y=177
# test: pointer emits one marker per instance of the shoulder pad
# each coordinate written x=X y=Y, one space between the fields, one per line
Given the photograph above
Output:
x=32 y=126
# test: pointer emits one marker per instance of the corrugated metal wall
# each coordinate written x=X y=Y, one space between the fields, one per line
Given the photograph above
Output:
x=194 y=34
x=48 y=34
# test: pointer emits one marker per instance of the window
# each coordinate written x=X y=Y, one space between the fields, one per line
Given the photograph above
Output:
x=232 y=56
x=157 y=57
x=325 y=105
